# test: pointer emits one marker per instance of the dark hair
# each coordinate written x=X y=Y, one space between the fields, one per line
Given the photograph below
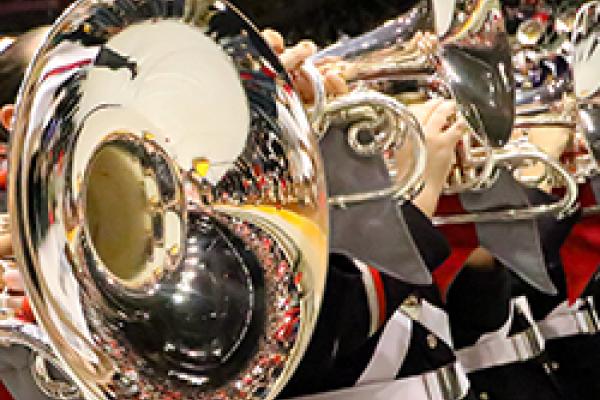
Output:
x=14 y=61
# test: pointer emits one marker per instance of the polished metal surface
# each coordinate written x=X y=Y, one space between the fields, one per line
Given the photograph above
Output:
x=60 y=388
x=168 y=203
x=15 y=332
x=545 y=94
x=403 y=127
x=544 y=31
x=543 y=98
x=440 y=48
x=477 y=65
x=450 y=381
x=380 y=137
x=512 y=156
x=365 y=109
x=457 y=49
x=546 y=103
x=586 y=58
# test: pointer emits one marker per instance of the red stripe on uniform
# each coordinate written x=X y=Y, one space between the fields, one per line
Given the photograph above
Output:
x=378 y=283
x=26 y=314
x=268 y=72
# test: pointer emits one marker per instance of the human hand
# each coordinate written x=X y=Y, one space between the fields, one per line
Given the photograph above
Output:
x=292 y=59
x=442 y=132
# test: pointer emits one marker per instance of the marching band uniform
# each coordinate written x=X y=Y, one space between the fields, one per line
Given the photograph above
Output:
x=360 y=322
x=360 y=317
x=571 y=335
x=383 y=351
x=569 y=320
x=382 y=338
x=495 y=333
x=494 y=330
x=497 y=339
x=378 y=335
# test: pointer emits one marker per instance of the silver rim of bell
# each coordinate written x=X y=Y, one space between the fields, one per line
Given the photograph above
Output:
x=168 y=203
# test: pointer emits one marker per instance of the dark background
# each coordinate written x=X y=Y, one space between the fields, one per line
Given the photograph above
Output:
x=296 y=18
x=323 y=20
x=19 y=15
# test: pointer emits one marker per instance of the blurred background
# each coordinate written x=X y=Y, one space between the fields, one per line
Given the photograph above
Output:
x=19 y=15
x=294 y=18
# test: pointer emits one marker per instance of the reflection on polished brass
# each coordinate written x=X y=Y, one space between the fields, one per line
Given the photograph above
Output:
x=514 y=155
x=457 y=49
x=586 y=56
x=168 y=204
x=545 y=90
x=540 y=102
x=118 y=213
x=438 y=48
x=16 y=332
x=55 y=388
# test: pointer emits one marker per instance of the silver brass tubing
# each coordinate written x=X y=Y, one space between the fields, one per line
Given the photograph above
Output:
x=591 y=210
x=14 y=332
x=110 y=233
x=540 y=123
x=579 y=20
x=320 y=97
x=323 y=111
x=406 y=188
x=473 y=180
x=560 y=208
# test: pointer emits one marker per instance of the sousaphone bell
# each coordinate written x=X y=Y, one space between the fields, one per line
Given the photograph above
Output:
x=167 y=203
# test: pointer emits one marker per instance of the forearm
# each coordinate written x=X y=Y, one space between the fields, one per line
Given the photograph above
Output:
x=427 y=200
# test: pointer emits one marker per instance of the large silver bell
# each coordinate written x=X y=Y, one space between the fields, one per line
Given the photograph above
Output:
x=168 y=203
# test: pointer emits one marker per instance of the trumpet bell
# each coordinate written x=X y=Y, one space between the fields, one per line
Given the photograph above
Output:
x=477 y=66
x=168 y=203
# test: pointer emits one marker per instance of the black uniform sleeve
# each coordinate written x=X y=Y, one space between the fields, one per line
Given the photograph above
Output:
x=477 y=302
x=432 y=244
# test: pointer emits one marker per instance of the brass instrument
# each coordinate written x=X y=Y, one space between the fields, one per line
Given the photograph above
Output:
x=586 y=55
x=554 y=102
x=167 y=205
x=551 y=102
x=167 y=198
x=402 y=58
x=512 y=155
x=435 y=50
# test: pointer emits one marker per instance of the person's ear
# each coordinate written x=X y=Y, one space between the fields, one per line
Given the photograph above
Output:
x=6 y=115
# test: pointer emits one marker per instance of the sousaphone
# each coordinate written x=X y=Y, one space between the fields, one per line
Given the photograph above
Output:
x=167 y=203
